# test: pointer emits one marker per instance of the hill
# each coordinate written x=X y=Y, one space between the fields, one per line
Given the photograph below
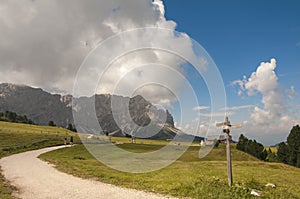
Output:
x=189 y=176
x=15 y=138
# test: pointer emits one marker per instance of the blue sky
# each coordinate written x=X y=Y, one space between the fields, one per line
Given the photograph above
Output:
x=239 y=35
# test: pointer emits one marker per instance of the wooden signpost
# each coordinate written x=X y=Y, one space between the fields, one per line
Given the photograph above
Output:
x=226 y=126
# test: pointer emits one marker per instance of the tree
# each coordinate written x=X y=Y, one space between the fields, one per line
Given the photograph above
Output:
x=51 y=123
x=11 y=116
x=271 y=157
x=71 y=128
x=263 y=155
x=252 y=147
x=216 y=143
x=293 y=142
x=282 y=153
x=14 y=117
x=298 y=158
x=30 y=121
x=242 y=143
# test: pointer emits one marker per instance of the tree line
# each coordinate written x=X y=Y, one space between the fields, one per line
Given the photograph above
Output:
x=8 y=116
x=252 y=147
x=289 y=152
x=69 y=127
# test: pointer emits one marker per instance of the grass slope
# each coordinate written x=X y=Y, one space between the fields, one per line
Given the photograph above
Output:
x=189 y=176
x=16 y=138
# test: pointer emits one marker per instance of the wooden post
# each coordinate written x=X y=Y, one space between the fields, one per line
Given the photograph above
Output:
x=228 y=154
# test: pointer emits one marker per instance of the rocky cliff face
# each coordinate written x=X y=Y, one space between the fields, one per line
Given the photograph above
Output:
x=41 y=107
x=138 y=110
x=169 y=119
x=35 y=103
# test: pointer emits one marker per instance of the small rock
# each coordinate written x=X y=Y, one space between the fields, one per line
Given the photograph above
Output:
x=256 y=192
x=90 y=136
x=270 y=185
x=118 y=143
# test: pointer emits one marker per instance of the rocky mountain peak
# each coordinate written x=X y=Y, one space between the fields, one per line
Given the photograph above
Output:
x=41 y=107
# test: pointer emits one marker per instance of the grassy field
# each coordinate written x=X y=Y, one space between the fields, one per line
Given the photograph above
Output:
x=189 y=176
x=16 y=138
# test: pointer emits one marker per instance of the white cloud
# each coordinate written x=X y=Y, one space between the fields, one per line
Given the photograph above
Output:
x=198 y=108
x=291 y=93
x=263 y=79
x=204 y=129
x=216 y=114
x=273 y=119
x=236 y=108
x=43 y=43
x=245 y=122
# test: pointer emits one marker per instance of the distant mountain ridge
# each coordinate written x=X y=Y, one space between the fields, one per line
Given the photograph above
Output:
x=36 y=104
x=42 y=107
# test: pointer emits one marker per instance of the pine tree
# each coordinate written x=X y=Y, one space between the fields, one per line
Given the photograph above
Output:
x=293 y=141
x=70 y=127
x=263 y=155
x=271 y=157
x=252 y=147
x=298 y=158
x=216 y=143
x=282 y=153
x=14 y=117
x=241 y=143
x=51 y=123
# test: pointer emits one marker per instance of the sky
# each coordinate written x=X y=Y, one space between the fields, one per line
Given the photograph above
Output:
x=239 y=36
x=255 y=45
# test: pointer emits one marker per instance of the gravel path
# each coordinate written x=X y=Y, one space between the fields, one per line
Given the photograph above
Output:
x=37 y=179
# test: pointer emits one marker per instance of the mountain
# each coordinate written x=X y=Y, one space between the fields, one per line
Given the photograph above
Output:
x=42 y=107
x=36 y=104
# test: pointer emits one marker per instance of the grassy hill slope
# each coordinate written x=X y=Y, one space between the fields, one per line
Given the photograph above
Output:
x=16 y=138
x=189 y=176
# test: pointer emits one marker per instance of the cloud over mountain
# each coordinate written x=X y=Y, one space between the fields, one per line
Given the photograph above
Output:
x=43 y=43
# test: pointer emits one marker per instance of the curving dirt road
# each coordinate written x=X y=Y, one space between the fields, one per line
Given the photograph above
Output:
x=37 y=179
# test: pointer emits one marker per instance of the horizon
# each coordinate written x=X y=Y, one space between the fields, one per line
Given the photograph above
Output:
x=217 y=133
x=256 y=51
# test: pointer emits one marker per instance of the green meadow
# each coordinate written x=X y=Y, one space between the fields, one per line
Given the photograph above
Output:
x=16 y=138
x=189 y=176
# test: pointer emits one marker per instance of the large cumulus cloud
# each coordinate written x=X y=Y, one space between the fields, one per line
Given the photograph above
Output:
x=43 y=43
x=272 y=117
